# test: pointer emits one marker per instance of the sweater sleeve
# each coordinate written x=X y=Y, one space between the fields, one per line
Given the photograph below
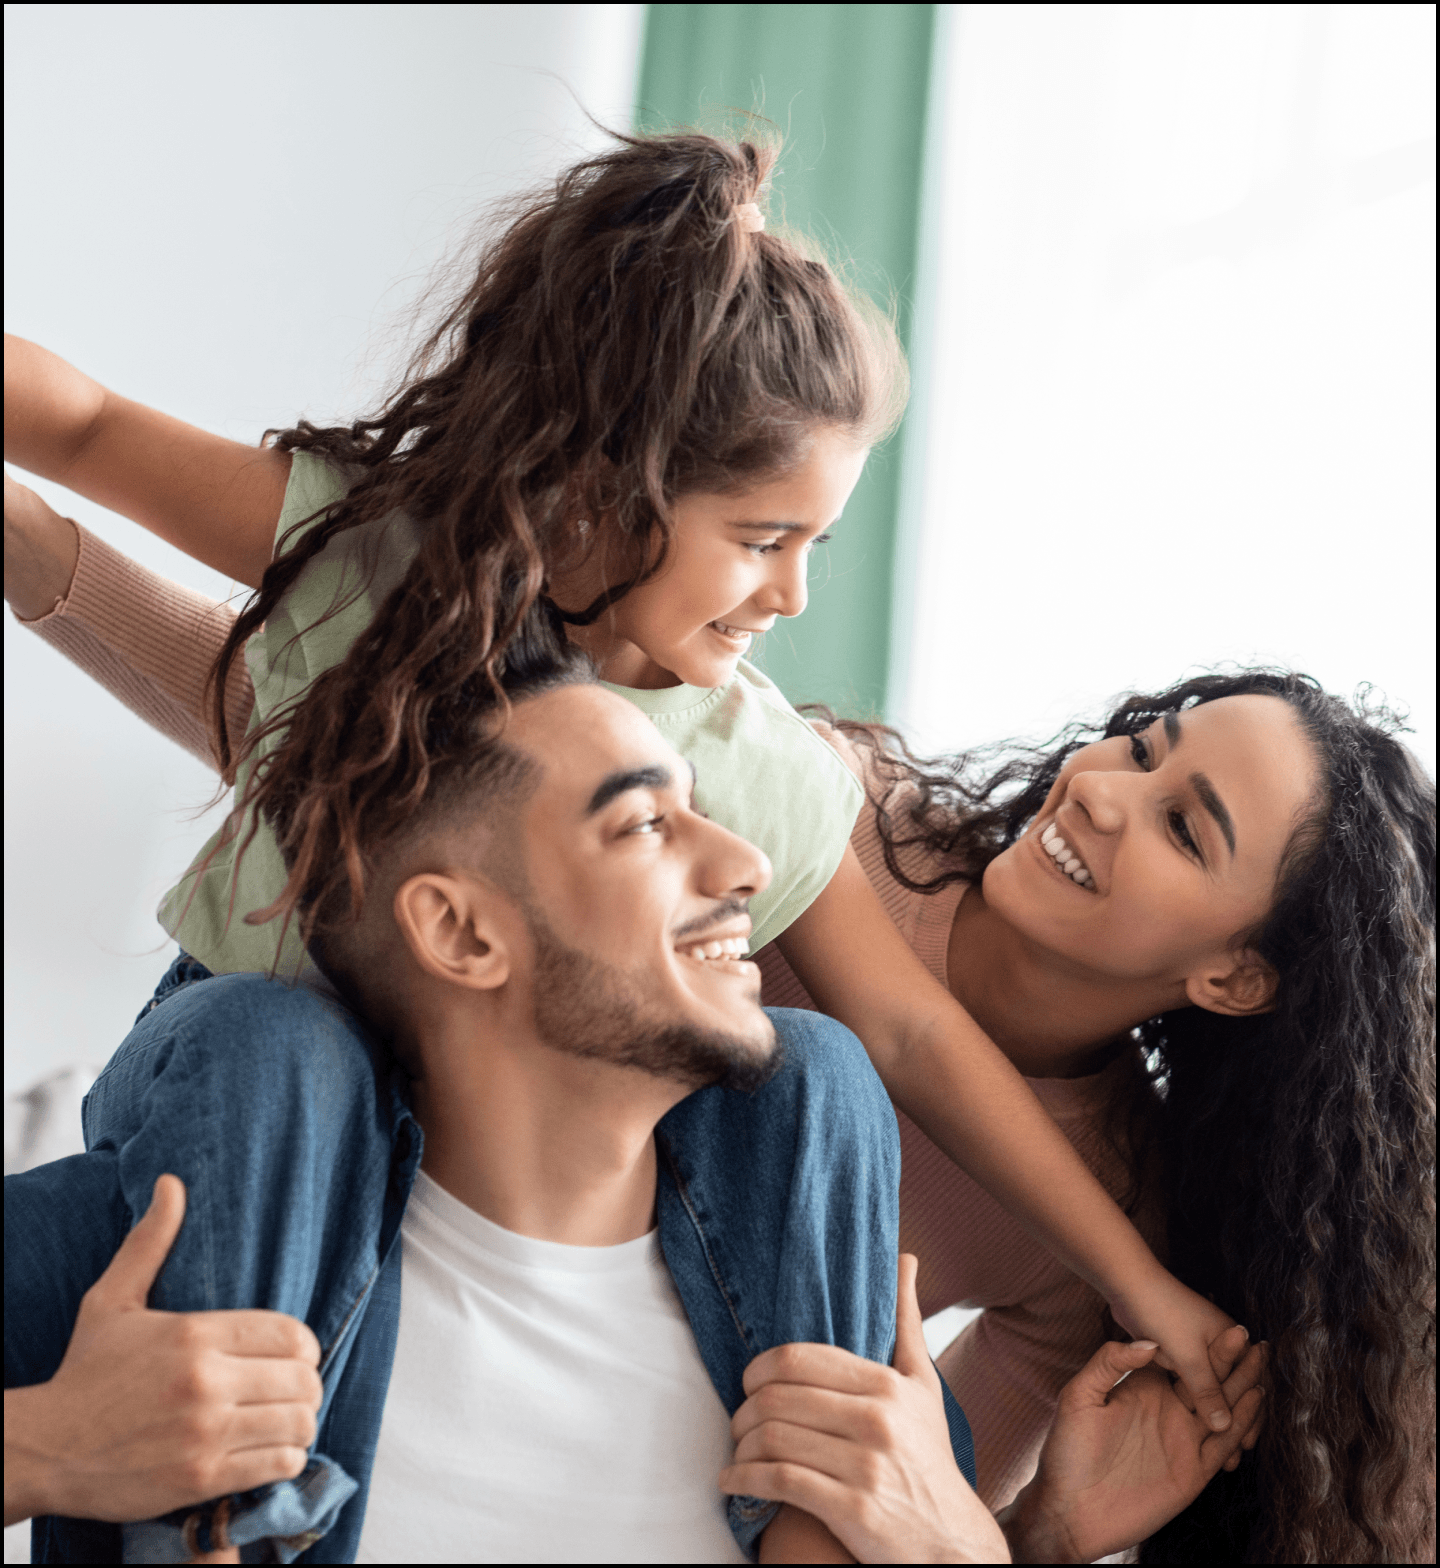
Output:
x=149 y=642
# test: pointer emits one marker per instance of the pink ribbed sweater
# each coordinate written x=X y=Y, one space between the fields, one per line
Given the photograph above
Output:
x=1041 y=1322
x=151 y=643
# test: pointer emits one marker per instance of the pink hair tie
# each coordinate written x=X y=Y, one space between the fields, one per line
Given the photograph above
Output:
x=749 y=217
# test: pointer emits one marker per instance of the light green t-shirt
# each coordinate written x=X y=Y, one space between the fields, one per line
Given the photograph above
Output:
x=761 y=770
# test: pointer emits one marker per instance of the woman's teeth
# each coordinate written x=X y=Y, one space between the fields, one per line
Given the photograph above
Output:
x=734 y=633
x=1065 y=857
x=731 y=947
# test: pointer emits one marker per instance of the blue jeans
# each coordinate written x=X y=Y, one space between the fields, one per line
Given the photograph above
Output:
x=293 y=1134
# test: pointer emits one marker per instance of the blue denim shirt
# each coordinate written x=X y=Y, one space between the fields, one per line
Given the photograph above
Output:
x=294 y=1135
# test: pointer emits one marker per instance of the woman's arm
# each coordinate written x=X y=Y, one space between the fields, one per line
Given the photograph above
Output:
x=215 y=499
x=146 y=640
x=967 y=1097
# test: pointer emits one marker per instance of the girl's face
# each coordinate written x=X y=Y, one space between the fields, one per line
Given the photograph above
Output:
x=1175 y=836
x=738 y=563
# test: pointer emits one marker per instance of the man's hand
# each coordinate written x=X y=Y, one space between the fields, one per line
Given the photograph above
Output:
x=151 y=1411
x=863 y=1448
x=1123 y=1458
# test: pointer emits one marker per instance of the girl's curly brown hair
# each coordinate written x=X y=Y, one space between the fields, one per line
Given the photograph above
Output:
x=1296 y=1148
x=624 y=339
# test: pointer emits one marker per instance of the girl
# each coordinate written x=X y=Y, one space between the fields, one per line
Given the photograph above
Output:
x=648 y=409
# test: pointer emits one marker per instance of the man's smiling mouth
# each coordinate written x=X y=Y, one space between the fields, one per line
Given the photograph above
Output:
x=724 y=949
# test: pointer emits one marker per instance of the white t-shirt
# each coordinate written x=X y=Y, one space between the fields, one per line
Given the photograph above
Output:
x=547 y=1404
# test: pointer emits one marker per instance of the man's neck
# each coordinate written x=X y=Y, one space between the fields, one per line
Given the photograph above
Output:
x=1052 y=1018
x=537 y=1141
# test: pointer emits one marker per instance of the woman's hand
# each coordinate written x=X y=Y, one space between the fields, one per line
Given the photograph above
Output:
x=1190 y=1333
x=41 y=549
x=1123 y=1458
x=863 y=1448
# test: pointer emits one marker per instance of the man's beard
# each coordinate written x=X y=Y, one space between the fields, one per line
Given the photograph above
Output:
x=590 y=1009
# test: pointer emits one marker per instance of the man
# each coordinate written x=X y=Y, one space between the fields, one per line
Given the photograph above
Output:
x=540 y=1371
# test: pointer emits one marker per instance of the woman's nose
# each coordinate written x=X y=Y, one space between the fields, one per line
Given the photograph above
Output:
x=1103 y=796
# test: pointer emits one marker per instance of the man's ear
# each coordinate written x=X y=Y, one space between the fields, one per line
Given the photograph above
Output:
x=454 y=929
x=1237 y=985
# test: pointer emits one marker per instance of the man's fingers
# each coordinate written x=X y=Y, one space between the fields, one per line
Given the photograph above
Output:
x=258 y=1467
x=785 y=1442
x=250 y=1380
x=141 y=1256
x=289 y=1425
x=255 y=1331
x=911 y=1358
x=823 y=1366
x=778 y=1481
x=819 y=1409
x=1091 y=1385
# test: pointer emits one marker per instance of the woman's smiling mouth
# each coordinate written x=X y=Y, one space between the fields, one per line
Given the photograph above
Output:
x=1065 y=859
x=737 y=635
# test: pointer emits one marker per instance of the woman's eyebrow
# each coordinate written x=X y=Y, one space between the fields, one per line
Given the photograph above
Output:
x=771 y=528
x=1206 y=793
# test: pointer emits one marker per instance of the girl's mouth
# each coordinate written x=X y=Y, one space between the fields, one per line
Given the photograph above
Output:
x=736 y=635
x=1065 y=858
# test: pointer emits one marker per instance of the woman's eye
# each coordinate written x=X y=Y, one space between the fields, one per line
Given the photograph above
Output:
x=1139 y=751
x=764 y=549
x=1181 y=830
x=819 y=539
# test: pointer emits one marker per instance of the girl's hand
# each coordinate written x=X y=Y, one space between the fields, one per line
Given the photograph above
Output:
x=1188 y=1330
x=41 y=549
x=1123 y=1458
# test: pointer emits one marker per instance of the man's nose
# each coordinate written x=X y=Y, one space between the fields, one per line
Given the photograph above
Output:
x=730 y=866
x=786 y=591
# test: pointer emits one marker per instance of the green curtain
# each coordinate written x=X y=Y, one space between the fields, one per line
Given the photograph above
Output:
x=847 y=86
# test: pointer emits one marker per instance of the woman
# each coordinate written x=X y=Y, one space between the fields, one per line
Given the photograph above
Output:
x=1266 y=1086
x=1273 y=1094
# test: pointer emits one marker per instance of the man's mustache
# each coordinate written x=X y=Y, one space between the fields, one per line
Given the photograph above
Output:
x=717 y=916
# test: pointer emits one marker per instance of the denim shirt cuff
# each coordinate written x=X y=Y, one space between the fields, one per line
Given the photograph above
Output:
x=288 y=1515
x=748 y=1518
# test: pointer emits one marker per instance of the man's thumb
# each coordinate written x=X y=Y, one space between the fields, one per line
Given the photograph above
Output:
x=911 y=1357
x=133 y=1269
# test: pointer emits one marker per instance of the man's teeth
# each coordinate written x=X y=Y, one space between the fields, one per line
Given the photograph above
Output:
x=1065 y=857
x=731 y=947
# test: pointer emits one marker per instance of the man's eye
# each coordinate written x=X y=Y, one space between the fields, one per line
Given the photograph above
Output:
x=650 y=825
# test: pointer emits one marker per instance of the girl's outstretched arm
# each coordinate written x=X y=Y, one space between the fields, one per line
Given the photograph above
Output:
x=966 y=1095
x=216 y=499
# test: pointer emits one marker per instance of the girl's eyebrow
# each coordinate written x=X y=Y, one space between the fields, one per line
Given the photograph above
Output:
x=771 y=528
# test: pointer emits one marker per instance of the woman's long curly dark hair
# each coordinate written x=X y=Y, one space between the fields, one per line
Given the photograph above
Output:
x=1298 y=1146
x=623 y=339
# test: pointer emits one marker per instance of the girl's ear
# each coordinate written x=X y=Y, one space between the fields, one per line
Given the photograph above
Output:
x=452 y=928
x=1238 y=986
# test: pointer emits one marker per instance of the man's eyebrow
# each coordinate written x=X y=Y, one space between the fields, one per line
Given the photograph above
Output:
x=1205 y=790
x=653 y=777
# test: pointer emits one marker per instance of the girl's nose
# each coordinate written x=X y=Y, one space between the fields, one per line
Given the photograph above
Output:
x=786 y=591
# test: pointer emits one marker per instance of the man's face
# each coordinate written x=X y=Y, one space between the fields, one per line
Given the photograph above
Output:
x=636 y=902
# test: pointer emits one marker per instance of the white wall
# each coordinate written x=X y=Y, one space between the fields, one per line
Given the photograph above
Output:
x=1177 y=345
x=224 y=211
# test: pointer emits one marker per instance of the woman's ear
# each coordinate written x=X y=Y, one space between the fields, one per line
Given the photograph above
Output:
x=1241 y=984
x=453 y=930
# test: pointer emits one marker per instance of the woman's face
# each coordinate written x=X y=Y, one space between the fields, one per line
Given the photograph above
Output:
x=1175 y=835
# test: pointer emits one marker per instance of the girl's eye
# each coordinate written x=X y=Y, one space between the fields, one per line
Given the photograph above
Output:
x=764 y=549
x=1181 y=831
x=819 y=539
x=1139 y=751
